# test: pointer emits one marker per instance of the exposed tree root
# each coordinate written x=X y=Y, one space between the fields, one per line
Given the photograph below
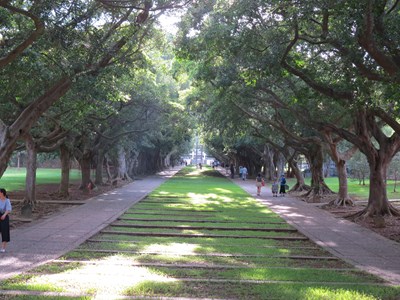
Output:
x=300 y=188
x=315 y=194
x=341 y=202
x=371 y=212
x=61 y=195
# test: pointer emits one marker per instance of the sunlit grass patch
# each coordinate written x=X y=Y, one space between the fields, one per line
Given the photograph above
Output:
x=193 y=248
x=28 y=282
x=261 y=291
x=55 y=267
x=107 y=276
x=207 y=224
x=44 y=297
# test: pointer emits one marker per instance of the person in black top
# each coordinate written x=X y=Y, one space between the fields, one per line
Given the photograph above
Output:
x=282 y=191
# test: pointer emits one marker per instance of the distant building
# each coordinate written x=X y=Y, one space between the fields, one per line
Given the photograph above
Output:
x=198 y=155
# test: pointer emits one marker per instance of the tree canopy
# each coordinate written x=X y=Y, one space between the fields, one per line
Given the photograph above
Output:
x=265 y=82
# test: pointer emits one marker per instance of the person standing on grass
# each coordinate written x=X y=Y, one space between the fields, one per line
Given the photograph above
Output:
x=5 y=209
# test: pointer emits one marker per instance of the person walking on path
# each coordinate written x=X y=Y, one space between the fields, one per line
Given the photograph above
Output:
x=244 y=173
x=5 y=209
x=282 y=191
x=232 y=171
x=259 y=183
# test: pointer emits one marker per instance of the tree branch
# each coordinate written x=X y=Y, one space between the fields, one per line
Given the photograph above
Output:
x=39 y=30
x=327 y=91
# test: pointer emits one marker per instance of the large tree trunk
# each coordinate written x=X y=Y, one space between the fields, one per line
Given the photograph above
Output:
x=378 y=156
x=85 y=164
x=340 y=159
x=300 y=185
x=279 y=162
x=65 y=157
x=167 y=160
x=99 y=167
x=159 y=160
x=378 y=204
x=122 y=172
x=343 y=198
x=318 y=186
x=107 y=167
x=268 y=163
x=30 y=180
x=133 y=163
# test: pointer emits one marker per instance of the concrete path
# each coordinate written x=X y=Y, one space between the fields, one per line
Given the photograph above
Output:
x=49 y=239
x=354 y=244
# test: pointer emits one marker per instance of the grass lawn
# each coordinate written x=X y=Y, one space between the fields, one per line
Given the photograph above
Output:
x=136 y=262
x=356 y=190
x=14 y=178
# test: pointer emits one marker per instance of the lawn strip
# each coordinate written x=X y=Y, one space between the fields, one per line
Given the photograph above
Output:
x=207 y=254
x=167 y=214
x=184 y=230
x=201 y=235
x=266 y=291
x=267 y=274
x=209 y=240
x=179 y=210
x=197 y=248
x=188 y=266
x=92 y=240
x=240 y=261
x=199 y=221
x=214 y=242
x=188 y=227
x=226 y=233
x=215 y=217
x=18 y=294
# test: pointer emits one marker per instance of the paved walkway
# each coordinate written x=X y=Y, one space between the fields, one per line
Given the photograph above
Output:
x=354 y=244
x=49 y=239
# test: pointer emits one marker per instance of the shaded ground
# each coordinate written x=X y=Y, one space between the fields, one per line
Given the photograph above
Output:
x=50 y=192
x=392 y=224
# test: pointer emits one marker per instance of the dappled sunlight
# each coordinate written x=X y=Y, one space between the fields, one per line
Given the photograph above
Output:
x=288 y=211
x=330 y=293
x=194 y=173
x=205 y=198
x=223 y=190
x=109 y=276
x=326 y=244
x=176 y=248
x=164 y=193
